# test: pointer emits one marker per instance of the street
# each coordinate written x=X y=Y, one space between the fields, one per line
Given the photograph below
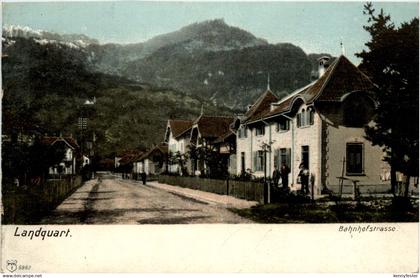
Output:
x=112 y=200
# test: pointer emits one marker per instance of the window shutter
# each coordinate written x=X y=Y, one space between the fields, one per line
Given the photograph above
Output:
x=288 y=157
x=276 y=158
x=311 y=116
x=254 y=161
x=245 y=132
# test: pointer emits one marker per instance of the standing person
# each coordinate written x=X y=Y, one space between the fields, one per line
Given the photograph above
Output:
x=304 y=179
x=276 y=176
x=143 y=177
x=284 y=174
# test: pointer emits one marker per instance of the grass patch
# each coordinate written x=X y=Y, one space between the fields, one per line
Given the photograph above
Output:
x=324 y=212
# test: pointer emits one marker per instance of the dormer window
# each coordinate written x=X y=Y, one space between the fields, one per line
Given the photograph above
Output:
x=305 y=117
x=242 y=132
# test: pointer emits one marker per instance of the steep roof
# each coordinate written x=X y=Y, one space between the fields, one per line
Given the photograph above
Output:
x=340 y=78
x=224 y=137
x=51 y=140
x=130 y=156
x=260 y=107
x=162 y=147
x=213 y=126
x=178 y=127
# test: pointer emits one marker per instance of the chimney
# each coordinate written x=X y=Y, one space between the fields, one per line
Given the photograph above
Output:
x=323 y=64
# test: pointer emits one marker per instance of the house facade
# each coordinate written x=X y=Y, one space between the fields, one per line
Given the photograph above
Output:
x=177 y=138
x=68 y=164
x=320 y=125
x=153 y=162
x=213 y=135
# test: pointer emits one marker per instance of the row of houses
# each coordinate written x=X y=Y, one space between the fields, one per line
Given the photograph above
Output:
x=320 y=125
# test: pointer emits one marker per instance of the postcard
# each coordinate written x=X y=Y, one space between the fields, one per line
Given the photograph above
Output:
x=235 y=137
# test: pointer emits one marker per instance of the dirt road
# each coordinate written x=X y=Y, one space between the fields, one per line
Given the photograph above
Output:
x=112 y=200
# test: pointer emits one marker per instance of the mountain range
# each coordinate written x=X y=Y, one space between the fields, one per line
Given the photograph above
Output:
x=48 y=77
x=212 y=60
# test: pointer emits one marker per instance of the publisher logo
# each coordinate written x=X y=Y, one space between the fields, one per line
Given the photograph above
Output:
x=11 y=265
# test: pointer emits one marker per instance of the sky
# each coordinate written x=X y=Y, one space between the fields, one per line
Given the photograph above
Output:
x=316 y=27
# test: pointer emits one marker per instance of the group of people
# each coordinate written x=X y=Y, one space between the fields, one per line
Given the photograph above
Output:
x=283 y=175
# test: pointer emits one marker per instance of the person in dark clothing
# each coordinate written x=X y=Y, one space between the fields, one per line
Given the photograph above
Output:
x=284 y=174
x=276 y=177
x=304 y=179
x=143 y=177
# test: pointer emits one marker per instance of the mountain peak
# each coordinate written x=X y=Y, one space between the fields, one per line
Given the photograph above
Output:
x=215 y=35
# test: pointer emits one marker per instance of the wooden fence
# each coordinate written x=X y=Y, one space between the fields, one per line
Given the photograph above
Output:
x=252 y=191
x=28 y=205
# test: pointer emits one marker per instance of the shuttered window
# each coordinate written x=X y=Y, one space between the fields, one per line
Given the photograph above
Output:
x=282 y=155
x=243 y=132
x=258 y=161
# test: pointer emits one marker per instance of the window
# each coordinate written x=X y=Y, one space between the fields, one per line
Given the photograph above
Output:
x=260 y=130
x=311 y=116
x=305 y=117
x=243 y=132
x=283 y=125
x=258 y=161
x=281 y=156
x=285 y=156
x=354 y=159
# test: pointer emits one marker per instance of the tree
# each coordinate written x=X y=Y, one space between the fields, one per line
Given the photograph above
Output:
x=23 y=161
x=216 y=163
x=392 y=62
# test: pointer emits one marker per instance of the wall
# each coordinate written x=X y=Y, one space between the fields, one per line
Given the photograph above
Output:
x=337 y=138
x=308 y=136
x=178 y=145
x=294 y=139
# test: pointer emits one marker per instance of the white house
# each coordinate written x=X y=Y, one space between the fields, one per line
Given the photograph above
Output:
x=320 y=125
x=215 y=133
x=68 y=165
x=177 y=136
x=153 y=161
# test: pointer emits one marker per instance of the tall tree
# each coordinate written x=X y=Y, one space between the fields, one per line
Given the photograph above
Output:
x=392 y=62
